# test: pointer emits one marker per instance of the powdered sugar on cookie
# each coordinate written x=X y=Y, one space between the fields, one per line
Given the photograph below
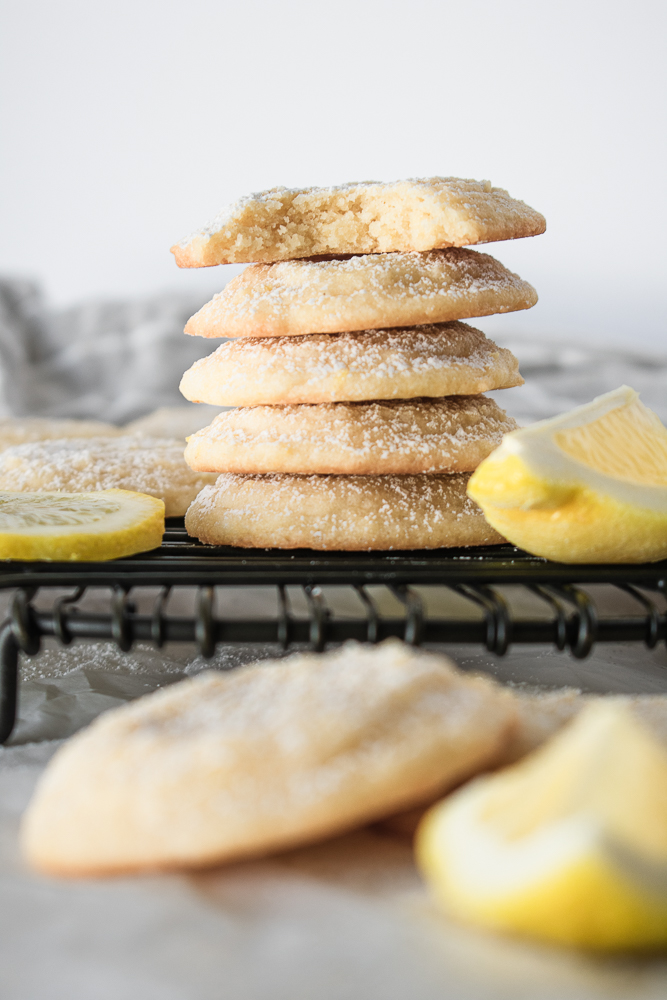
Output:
x=368 y=292
x=237 y=764
x=80 y=465
x=431 y=360
x=339 y=512
x=446 y=435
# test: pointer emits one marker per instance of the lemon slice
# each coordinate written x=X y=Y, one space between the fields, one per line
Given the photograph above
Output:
x=84 y=526
x=587 y=486
x=568 y=846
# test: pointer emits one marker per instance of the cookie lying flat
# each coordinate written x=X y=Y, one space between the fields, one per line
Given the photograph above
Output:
x=352 y=513
x=81 y=465
x=22 y=430
x=419 y=214
x=424 y=435
x=263 y=758
x=331 y=296
x=541 y=714
x=172 y=421
x=445 y=359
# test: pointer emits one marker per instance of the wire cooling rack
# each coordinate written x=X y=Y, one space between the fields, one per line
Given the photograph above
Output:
x=478 y=575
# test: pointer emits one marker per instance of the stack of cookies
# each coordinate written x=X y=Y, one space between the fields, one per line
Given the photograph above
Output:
x=360 y=412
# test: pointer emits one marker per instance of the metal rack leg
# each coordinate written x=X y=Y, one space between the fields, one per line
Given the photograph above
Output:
x=372 y=614
x=9 y=671
x=414 y=606
x=319 y=614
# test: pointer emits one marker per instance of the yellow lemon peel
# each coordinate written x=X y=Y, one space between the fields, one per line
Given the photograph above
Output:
x=588 y=486
x=568 y=846
x=107 y=524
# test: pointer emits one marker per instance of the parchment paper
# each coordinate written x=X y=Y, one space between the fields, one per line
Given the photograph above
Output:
x=342 y=920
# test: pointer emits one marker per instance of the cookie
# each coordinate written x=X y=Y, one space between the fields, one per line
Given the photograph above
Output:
x=445 y=359
x=22 y=430
x=81 y=465
x=541 y=714
x=260 y=759
x=353 y=513
x=418 y=214
x=370 y=292
x=172 y=421
x=423 y=435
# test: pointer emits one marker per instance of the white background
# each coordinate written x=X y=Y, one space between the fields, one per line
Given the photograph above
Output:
x=128 y=124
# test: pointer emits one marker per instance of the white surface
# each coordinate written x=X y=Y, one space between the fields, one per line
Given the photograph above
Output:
x=131 y=123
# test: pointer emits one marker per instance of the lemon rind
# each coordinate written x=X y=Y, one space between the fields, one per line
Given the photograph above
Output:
x=583 y=900
x=96 y=543
x=536 y=448
x=573 y=875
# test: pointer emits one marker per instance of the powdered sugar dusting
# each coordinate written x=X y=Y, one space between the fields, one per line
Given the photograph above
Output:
x=373 y=290
x=80 y=465
x=342 y=691
x=339 y=512
x=429 y=360
x=408 y=436
x=263 y=758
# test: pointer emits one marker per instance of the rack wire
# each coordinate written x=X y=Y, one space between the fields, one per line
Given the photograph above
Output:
x=477 y=575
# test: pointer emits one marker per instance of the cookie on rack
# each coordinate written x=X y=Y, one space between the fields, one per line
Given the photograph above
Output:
x=442 y=359
x=393 y=436
x=419 y=214
x=23 y=430
x=297 y=297
x=349 y=513
x=172 y=421
x=81 y=465
x=263 y=758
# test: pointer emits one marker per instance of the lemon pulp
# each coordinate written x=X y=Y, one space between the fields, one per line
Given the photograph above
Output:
x=628 y=442
x=588 y=486
x=79 y=526
x=568 y=846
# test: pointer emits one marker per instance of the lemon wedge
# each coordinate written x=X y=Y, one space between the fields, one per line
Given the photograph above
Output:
x=569 y=846
x=79 y=526
x=587 y=486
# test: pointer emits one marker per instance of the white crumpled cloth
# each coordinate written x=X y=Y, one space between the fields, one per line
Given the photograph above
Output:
x=111 y=360
x=342 y=920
